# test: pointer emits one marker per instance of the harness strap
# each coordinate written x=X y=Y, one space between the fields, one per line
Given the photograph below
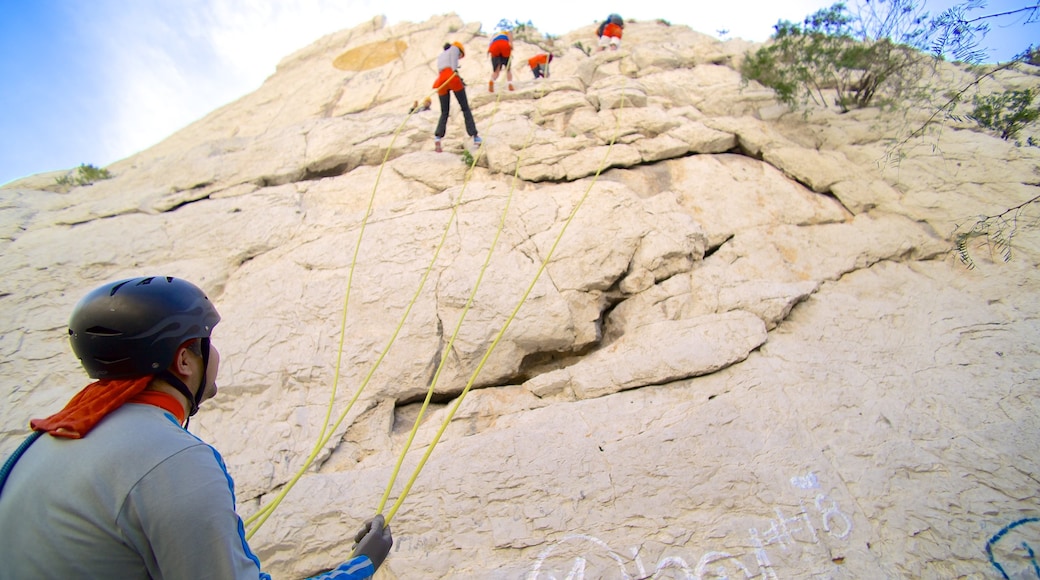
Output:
x=5 y=471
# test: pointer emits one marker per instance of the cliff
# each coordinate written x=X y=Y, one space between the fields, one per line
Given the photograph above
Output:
x=699 y=334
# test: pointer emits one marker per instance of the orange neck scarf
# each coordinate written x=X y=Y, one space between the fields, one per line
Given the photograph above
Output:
x=85 y=410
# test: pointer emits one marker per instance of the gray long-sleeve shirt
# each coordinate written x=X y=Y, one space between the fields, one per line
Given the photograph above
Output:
x=139 y=497
x=449 y=58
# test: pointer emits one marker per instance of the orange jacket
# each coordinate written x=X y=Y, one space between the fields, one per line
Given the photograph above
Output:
x=612 y=30
x=448 y=80
x=538 y=59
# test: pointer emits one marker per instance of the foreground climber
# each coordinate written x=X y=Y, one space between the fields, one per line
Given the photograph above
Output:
x=448 y=80
x=501 y=51
x=113 y=486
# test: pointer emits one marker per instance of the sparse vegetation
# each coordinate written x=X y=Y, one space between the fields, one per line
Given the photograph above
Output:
x=524 y=31
x=882 y=54
x=467 y=157
x=527 y=32
x=1006 y=113
x=85 y=174
x=835 y=53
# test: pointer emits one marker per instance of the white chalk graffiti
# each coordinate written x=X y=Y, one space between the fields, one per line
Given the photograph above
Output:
x=580 y=564
x=577 y=571
x=832 y=513
x=805 y=481
x=577 y=554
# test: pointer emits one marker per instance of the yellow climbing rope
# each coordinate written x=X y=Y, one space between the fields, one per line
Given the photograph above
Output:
x=265 y=511
x=458 y=325
x=261 y=516
x=498 y=337
x=256 y=520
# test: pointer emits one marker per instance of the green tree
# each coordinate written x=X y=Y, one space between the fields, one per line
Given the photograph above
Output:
x=884 y=50
x=835 y=52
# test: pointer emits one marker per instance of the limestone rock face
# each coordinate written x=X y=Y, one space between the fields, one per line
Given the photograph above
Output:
x=666 y=327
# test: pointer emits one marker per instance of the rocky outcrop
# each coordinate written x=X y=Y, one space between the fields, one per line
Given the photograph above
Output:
x=699 y=335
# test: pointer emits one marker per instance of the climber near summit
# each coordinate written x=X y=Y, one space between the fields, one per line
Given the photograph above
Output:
x=501 y=51
x=448 y=81
x=539 y=64
x=609 y=32
x=114 y=485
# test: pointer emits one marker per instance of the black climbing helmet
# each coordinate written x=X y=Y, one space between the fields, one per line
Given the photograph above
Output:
x=133 y=327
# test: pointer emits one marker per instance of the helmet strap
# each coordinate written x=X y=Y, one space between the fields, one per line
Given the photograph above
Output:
x=174 y=381
x=202 y=386
x=178 y=384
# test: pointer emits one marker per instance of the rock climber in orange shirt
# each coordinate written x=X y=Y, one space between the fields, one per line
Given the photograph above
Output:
x=539 y=64
x=609 y=32
x=501 y=51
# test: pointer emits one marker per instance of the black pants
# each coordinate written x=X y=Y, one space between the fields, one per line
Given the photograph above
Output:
x=539 y=71
x=442 y=124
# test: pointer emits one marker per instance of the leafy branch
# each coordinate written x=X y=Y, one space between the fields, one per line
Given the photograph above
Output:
x=946 y=109
x=999 y=230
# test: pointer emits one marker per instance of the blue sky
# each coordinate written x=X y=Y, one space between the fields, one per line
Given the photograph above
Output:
x=97 y=81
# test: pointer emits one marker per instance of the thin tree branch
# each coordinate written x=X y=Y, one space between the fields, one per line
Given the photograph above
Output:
x=1033 y=8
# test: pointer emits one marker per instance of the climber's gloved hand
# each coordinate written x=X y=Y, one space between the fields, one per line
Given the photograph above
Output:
x=374 y=541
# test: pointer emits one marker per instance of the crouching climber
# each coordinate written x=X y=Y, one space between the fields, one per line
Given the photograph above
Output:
x=539 y=64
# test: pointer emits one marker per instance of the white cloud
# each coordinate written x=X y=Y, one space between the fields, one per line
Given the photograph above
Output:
x=168 y=64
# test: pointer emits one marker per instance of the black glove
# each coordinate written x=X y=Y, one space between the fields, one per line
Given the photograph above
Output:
x=374 y=541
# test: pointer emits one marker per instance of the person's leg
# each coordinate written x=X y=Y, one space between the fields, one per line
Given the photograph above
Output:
x=497 y=63
x=442 y=123
x=471 y=127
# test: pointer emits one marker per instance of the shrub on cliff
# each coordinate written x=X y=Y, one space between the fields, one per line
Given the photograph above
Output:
x=85 y=174
x=1006 y=113
x=835 y=55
